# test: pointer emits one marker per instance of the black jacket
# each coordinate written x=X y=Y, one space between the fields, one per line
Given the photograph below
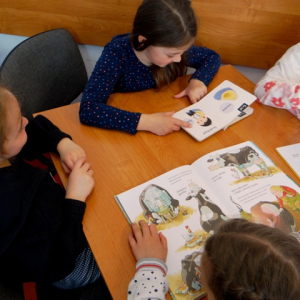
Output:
x=40 y=231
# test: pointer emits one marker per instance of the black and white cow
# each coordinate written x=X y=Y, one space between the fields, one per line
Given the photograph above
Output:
x=242 y=159
x=210 y=214
x=190 y=273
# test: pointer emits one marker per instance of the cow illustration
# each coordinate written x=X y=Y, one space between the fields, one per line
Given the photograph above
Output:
x=242 y=159
x=210 y=214
x=190 y=274
x=158 y=205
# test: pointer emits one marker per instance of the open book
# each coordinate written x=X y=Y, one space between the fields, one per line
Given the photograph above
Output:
x=291 y=155
x=188 y=202
x=245 y=113
x=223 y=106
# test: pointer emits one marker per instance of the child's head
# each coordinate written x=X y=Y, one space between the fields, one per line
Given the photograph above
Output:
x=244 y=261
x=164 y=29
x=204 y=121
x=12 y=125
x=164 y=23
x=199 y=115
x=276 y=190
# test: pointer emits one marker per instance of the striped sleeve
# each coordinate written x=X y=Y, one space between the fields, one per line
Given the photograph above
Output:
x=150 y=280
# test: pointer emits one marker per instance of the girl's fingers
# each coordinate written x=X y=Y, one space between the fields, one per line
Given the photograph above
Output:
x=131 y=240
x=145 y=228
x=153 y=230
x=163 y=240
x=136 y=231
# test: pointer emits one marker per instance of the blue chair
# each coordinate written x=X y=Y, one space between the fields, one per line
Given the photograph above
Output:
x=44 y=71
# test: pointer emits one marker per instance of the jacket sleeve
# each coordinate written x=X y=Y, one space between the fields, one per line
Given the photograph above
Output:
x=280 y=87
x=150 y=281
x=42 y=136
x=94 y=110
x=205 y=61
x=51 y=238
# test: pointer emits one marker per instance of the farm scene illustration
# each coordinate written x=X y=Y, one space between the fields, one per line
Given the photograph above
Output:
x=188 y=219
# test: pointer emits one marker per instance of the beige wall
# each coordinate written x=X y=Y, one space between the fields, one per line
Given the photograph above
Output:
x=252 y=33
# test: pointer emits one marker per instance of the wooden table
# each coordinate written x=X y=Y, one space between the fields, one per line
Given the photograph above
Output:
x=122 y=161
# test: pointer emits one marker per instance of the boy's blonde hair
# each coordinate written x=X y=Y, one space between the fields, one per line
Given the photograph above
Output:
x=248 y=261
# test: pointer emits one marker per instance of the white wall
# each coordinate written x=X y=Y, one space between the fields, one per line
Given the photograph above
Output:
x=91 y=54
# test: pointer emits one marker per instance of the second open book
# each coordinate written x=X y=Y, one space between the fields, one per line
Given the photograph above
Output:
x=187 y=203
x=223 y=106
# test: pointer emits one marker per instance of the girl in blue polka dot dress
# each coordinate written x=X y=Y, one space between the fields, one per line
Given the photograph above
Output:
x=159 y=49
x=241 y=261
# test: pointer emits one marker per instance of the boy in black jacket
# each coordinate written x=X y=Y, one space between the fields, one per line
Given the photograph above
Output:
x=41 y=234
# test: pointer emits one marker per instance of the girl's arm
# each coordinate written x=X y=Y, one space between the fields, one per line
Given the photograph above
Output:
x=280 y=87
x=149 y=281
x=94 y=110
x=279 y=93
x=150 y=250
x=205 y=61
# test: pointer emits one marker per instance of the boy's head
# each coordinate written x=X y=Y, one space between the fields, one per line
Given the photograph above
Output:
x=204 y=121
x=244 y=260
x=12 y=125
x=199 y=115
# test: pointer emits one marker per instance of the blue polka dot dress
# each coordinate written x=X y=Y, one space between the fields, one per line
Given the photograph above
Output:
x=150 y=280
x=119 y=70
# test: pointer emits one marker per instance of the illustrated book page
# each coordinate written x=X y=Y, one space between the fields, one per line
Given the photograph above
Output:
x=216 y=110
x=246 y=113
x=187 y=204
x=163 y=202
x=248 y=184
x=291 y=155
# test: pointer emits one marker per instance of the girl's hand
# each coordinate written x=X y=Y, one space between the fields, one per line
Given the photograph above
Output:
x=195 y=91
x=147 y=242
x=161 y=123
x=81 y=181
x=69 y=154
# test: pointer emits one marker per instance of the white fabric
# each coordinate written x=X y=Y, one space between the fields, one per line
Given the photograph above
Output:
x=280 y=87
x=149 y=282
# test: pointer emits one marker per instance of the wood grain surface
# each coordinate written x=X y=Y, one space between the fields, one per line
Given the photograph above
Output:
x=122 y=161
x=252 y=33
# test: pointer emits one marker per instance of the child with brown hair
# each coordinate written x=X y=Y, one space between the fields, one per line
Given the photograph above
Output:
x=157 y=51
x=241 y=261
x=41 y=234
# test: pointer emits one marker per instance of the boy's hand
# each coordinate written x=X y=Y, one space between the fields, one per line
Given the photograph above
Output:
x=81 y=181
x=195 y=91
x=69 y=154
x=161 y=123
x=147 y=242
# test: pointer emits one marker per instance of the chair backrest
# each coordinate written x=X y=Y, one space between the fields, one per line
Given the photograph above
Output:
x=44 y=71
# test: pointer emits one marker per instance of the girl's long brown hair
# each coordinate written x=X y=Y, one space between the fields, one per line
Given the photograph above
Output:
x=248 y=261
x=165 y=23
